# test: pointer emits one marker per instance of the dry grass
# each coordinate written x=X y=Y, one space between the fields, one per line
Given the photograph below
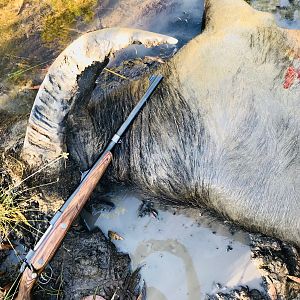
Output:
x=12 y=203
x=8 y=18
x=20 y=213
x=12 y=212
x=53 y=17
x=49 y=24
x=15 y=201
x=60 y=22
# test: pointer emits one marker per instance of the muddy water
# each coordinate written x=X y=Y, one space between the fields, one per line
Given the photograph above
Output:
x=180 y=19
x=183 y=255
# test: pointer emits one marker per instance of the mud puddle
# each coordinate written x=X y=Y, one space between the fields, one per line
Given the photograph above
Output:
x=183 y=255
x=286 y=12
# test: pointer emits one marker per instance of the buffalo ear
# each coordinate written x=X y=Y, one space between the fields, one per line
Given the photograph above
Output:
x=62 y=87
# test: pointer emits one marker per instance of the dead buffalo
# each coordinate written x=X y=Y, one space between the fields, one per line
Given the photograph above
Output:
x=222 y=130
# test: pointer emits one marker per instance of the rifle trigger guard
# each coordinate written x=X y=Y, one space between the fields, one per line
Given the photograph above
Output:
x=44 y=278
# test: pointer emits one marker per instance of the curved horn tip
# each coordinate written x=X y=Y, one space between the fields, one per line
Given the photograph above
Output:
x=168 y=39
x=172 y=41
x=138 y=35
x=145 y=36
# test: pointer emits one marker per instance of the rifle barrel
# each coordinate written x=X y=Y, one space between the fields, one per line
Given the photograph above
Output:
x=154 y=82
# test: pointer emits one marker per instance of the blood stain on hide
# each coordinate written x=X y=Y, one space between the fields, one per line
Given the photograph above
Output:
x=290 y=76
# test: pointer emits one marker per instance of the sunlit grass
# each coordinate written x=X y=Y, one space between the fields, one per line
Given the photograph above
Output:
x=15 y=203
x=56 y=18
x=63 y=16
x=48 y=23
x=8 y=19
x=12 y=211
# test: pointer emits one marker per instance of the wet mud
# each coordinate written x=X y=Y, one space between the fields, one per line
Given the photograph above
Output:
x=276 y=260
x=88 y=264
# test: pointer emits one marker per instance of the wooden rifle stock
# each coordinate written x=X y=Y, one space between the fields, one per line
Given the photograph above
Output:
x=37 y=259
x=50 y=244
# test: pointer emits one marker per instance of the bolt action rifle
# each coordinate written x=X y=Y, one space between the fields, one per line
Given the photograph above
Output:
x=37 y=259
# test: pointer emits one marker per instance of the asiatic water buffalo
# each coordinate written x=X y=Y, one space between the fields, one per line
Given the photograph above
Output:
x=222 y=130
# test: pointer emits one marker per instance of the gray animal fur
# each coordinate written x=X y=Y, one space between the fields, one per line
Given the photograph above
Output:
x=220 y=132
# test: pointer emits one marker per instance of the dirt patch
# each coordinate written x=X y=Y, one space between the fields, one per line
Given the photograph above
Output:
x=86 y=263
x=89 y=264
x=275 y=260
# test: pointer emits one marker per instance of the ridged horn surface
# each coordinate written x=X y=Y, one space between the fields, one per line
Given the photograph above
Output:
x=61 y=88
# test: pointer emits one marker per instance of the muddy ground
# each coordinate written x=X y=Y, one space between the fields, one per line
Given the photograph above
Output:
x=88 y=263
